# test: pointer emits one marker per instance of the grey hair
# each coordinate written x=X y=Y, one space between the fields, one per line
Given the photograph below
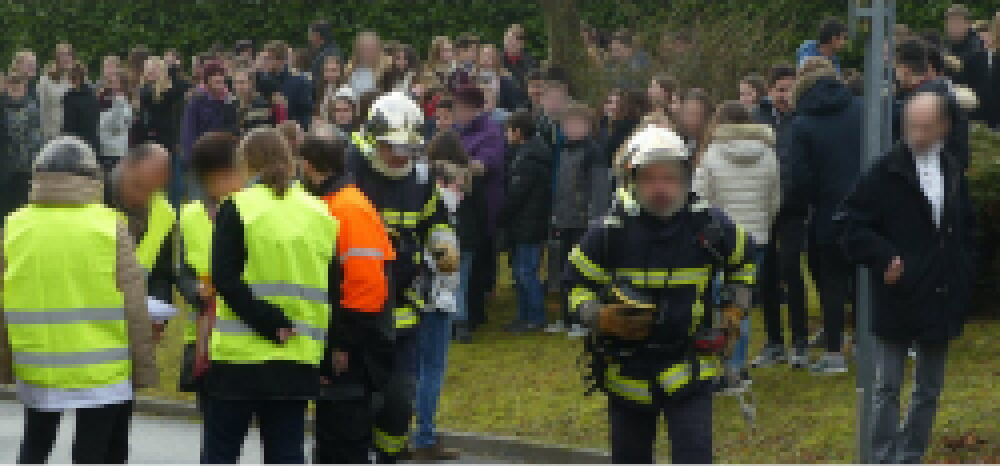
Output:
x=70 y=155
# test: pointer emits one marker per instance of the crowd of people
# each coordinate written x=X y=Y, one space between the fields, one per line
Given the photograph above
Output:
x=218 y=182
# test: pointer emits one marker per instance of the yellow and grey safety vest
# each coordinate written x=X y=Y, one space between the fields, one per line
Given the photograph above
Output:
x=65 y=314
x=196 y=229
x=158 y=226
x=290 y=242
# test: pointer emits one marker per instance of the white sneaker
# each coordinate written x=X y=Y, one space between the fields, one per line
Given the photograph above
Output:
x=578 y=331
x=558 y=326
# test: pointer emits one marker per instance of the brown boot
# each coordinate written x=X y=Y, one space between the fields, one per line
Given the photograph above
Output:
x=434 y=452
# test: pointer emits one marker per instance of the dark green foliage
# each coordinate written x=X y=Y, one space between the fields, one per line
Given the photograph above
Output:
x=99 y=27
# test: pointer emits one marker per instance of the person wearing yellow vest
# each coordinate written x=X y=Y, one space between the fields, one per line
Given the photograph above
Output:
x=344 y=414
x=74 y=331
x=218 y=170
x=273 y=264
x=135 y=188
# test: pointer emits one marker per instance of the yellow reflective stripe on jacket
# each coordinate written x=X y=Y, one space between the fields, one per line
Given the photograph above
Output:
x=664 y=277
x=630 y=389
x=158 y=225
x=387 y=443
x=739 y=252
x=587 y=268
x=746 y=274
x=679 y=375
x=405 y=317
x=579 y=295
x=404 y=219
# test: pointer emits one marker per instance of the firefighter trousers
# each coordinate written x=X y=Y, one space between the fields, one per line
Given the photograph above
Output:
x=689 y=426
x=395 y=410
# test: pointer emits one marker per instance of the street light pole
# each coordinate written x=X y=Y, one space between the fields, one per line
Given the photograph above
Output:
x=879 y=17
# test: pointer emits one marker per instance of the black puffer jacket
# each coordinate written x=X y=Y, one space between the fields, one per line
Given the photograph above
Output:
x=525 y=213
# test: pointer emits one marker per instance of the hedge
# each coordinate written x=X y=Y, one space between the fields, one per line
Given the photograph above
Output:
x=99 y=27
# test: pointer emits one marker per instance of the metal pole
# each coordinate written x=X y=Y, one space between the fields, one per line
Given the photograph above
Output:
x=878 y=138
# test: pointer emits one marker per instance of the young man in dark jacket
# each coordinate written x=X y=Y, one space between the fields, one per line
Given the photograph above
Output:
x=911 y=221
x=821 y=160
x=81 y=112
x=296 y=89
x=525 y=214
x=963 y=42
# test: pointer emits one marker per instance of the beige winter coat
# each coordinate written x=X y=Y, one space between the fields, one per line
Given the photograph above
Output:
x=739 y=174
x=59 y=188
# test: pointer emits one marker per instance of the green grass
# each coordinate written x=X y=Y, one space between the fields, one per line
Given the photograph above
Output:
x=531 y=386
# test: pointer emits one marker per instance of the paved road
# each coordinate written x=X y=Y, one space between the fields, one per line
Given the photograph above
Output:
x=155 y=440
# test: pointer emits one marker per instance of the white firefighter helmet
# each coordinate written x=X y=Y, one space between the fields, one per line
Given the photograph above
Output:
x=649 y=145
x=396 y=119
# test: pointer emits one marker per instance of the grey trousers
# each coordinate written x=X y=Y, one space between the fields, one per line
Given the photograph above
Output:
x=906 y=443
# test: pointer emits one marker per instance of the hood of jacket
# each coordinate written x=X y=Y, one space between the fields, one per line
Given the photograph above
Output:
x=743 y=143
x=64 y=188
x=820 y=92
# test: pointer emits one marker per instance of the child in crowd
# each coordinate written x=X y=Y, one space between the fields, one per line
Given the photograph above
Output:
x=581 y=179
x=525 y=215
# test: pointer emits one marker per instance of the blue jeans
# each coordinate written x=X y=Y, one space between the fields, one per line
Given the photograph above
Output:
x=434 y=335
x=737 y=360
x=464 y=271
x=526 y=262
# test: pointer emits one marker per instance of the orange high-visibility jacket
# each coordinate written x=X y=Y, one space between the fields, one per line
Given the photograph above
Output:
x=364 y=247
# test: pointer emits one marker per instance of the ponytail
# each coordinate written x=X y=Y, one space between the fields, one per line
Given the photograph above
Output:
x=268 y=155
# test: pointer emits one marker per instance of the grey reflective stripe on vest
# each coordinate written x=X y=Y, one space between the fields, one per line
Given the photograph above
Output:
x=241 y=328
x=64 y=316
x=72 y=358
x=289 y=290
x=362 y=252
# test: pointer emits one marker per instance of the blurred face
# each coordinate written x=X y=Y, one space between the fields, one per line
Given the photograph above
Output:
x=465 y=113
x=242 y=84
x=469 y=54
x=513 y=136
x=315 y=39
x=445 y=117
x=904 y=75
x=512 y=43
x=399 y=59
x=331 y=71
x=64 y=55
x=368 y=49
x=957 y=26
x=661 y=187
x=146 y=177
x=447 y=51
x=223 y=183
x=924 y=125
x=171 y=58
x=535 y=89
x=611 y=106
x=394 y=156
x=216 y=84
x=656 y=94
x=28 y=65
x=268 y=62
x=576 y=128
x=343 y=113
x=488 y=58
x=109 y=66
x=748 y=95
x=839 y=43
x=780 y=91
x=114 y=82
x=17 y=90
x=619 y=50
x=554 y=100
x=692 y=117
x=154 y=71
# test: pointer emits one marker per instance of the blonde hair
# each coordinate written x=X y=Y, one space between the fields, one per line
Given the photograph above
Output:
x=434 y=60
x=163 y=84
x=18 y=58
x=267 y=155
x=356 y=56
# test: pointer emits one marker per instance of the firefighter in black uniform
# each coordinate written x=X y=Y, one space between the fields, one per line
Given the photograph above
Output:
x=417 y=219
x=640 y=278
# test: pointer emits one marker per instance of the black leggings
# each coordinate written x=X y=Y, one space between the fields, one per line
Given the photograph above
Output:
x=783 y=265
x=101 y=434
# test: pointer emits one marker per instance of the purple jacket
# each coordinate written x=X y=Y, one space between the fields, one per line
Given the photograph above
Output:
x=204 y=114
x=483 y=140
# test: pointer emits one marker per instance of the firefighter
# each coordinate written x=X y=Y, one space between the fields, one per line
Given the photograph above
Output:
x=216 y=167
x=640 y=280
x=344 y=414
x=416 y=219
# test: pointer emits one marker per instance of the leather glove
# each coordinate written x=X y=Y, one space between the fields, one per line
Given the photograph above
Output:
x=445 y=257
x=625 y=322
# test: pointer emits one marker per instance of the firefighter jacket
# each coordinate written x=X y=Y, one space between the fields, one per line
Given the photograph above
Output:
x=665 y=259
x=415 y=216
